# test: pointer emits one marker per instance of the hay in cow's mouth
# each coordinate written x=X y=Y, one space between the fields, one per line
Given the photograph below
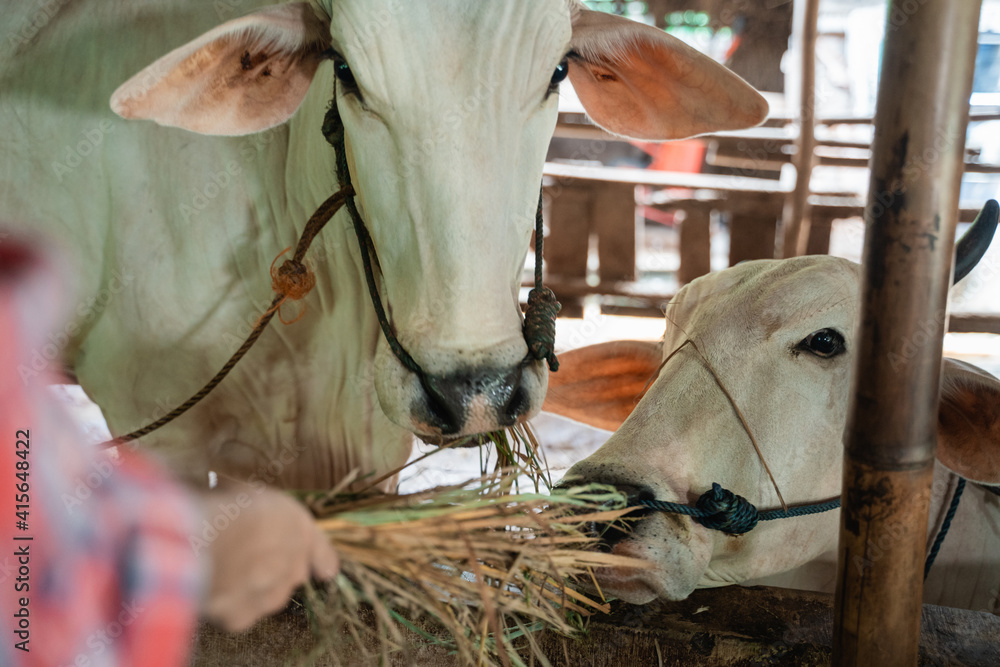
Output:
x=517 y=454
x=472 y=569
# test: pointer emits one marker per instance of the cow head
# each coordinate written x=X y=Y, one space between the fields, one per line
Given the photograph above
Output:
x=448 y=108
x=779 y=335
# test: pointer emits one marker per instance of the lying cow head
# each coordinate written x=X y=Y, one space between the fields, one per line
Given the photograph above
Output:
x=448 y=109
x=779 y=335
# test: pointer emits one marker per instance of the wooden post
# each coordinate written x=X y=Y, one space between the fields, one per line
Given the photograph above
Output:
x=696 y=244
x=796 y=216
x=920 y=125
x=752 y=227
x=618 y=230
x=568 y=242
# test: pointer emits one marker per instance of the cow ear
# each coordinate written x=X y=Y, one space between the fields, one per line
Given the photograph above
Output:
x=969 y=422
x=637 y=81
x=600 y=384
x=244 y=76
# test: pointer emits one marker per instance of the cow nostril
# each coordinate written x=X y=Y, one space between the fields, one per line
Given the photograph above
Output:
x=611 y=534
x=441 y=408
x=518 y=403
x=448 y=400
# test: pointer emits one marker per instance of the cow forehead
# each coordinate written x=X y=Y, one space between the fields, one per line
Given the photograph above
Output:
x=398 y=48
x=762 y=298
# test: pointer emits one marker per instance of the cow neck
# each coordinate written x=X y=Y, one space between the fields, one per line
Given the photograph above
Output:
x=539 y=327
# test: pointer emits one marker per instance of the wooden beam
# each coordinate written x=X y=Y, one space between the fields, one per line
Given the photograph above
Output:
x=922 y=114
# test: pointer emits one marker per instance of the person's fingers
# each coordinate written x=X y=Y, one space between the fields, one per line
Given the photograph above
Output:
x=324 y=560
x=271 y=549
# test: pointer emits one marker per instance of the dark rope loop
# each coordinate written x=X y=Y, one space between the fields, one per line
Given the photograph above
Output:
x=721 y=509
x=726 y=511
x=540 y=317
x=945 y=525
x=543 y=307
x=540 y=326
x=291 y=281
x=333 y=130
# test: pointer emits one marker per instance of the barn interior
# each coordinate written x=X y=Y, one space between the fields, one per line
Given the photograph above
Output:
x=629 y=223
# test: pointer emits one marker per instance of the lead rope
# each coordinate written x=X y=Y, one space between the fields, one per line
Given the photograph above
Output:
x=721 y=509
x=293 y=280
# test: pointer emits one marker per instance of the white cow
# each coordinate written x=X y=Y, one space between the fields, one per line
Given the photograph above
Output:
x=779 y=334
x=448 y=108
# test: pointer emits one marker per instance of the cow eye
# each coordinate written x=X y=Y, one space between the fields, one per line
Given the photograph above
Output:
x=559 y=76
x=824 y=343
x=344 y=74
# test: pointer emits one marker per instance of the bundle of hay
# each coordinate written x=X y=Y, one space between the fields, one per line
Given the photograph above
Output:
x=474 y=569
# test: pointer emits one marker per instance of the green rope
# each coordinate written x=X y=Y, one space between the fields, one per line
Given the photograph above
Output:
x=721 y=509
x=945 y=525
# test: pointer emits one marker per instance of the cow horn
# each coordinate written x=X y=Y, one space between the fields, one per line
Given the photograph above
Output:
x=976 y=241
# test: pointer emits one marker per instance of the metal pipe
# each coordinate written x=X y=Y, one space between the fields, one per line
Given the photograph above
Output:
x=921 y=119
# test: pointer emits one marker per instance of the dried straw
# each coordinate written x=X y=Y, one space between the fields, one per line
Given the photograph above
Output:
x=472 y=569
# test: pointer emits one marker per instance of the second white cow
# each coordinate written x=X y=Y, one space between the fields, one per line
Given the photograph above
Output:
x=779 y=334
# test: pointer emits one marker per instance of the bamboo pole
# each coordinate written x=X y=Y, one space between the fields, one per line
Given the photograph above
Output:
x=796 y=219
x=916 y=169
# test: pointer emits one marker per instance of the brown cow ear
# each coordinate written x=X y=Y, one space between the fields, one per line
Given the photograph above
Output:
x=969 y=422
x=244 y=76
x=600 y=384
x=637 y=81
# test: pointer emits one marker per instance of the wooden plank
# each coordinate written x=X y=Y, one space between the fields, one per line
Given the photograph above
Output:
x=796 y=220
x=567 y=173
x=974 y=323
x=618 y=232
x=696 y=245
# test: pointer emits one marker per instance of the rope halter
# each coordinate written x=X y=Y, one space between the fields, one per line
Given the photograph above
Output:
x=539 y=327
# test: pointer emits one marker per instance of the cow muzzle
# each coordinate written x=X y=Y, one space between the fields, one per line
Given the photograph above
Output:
x=472 y=401
x=487 y=390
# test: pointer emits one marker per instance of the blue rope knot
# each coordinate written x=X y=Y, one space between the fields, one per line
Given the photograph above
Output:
x=724 y=510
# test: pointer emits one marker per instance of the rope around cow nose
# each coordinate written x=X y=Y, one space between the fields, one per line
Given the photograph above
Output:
x=721 y=509
x=293 y=280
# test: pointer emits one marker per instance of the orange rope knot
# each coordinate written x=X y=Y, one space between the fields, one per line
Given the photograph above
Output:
x=292 y=280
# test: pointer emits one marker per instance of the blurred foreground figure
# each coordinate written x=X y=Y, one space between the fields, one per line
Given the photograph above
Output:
x=96 y=568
